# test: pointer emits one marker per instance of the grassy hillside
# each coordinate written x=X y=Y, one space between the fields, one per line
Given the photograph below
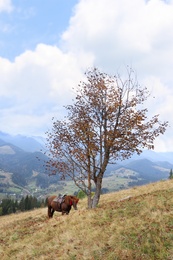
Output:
x=130 y=224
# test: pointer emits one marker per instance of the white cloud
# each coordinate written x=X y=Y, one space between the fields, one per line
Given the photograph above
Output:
x=109 y=34
x=36 y=86
x=120 y=31
x=46 y=72
x=6 y=6
x=123 y=32
x=160 y=100
x=137 y=33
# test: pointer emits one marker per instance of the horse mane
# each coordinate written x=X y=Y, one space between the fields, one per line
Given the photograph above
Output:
x=70 y=198
x=67 y=199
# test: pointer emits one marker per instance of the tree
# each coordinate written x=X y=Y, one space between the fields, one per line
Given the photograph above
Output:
x=106 y=123
x=8 y=206
x=171 y=174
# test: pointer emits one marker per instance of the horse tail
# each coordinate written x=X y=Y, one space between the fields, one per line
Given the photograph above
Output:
x=49 y=208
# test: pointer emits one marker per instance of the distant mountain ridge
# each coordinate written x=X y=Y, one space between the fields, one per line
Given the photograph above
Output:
x=38 y=143
x=21 y=157
x=136 y=173
x=24 y=167
x=154 y=156
x=28 y=144
x=148 y=170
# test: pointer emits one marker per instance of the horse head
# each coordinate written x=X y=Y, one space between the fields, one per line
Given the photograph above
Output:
x=72 y=201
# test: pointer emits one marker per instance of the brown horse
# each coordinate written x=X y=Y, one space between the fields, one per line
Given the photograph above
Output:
x=64 y=207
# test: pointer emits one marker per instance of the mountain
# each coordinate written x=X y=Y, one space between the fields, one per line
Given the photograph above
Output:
x=149 y=170
x=28 y=144
x=156 y=156
x=22 y=166
x=137 y=173
x=14 y=159
x=22 y=170
x=37 y=143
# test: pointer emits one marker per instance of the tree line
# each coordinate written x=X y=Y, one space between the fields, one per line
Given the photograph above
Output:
x=8 y=205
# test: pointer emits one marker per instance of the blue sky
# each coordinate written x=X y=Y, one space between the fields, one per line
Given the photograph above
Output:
x=31 y=22
x=46 y=46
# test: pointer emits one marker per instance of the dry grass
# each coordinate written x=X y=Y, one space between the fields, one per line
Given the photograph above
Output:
x=131 y=224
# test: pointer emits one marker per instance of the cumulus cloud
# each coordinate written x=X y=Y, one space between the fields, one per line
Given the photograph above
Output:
x=37 y=84
x=6 y=6
x=120 y=31
x=137 y=33
x=109 y=34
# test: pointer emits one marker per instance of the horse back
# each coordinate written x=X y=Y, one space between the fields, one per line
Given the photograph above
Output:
x=50 y=199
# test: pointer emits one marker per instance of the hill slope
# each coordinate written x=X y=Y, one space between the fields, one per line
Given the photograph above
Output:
x=130 y=224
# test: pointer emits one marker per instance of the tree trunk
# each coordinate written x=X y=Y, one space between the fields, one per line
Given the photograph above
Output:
x=96 y=198
x=90 y=201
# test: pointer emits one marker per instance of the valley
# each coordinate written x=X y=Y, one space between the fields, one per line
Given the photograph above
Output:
x=22 y=170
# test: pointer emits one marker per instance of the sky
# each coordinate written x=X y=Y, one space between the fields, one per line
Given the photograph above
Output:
x=46 y=46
